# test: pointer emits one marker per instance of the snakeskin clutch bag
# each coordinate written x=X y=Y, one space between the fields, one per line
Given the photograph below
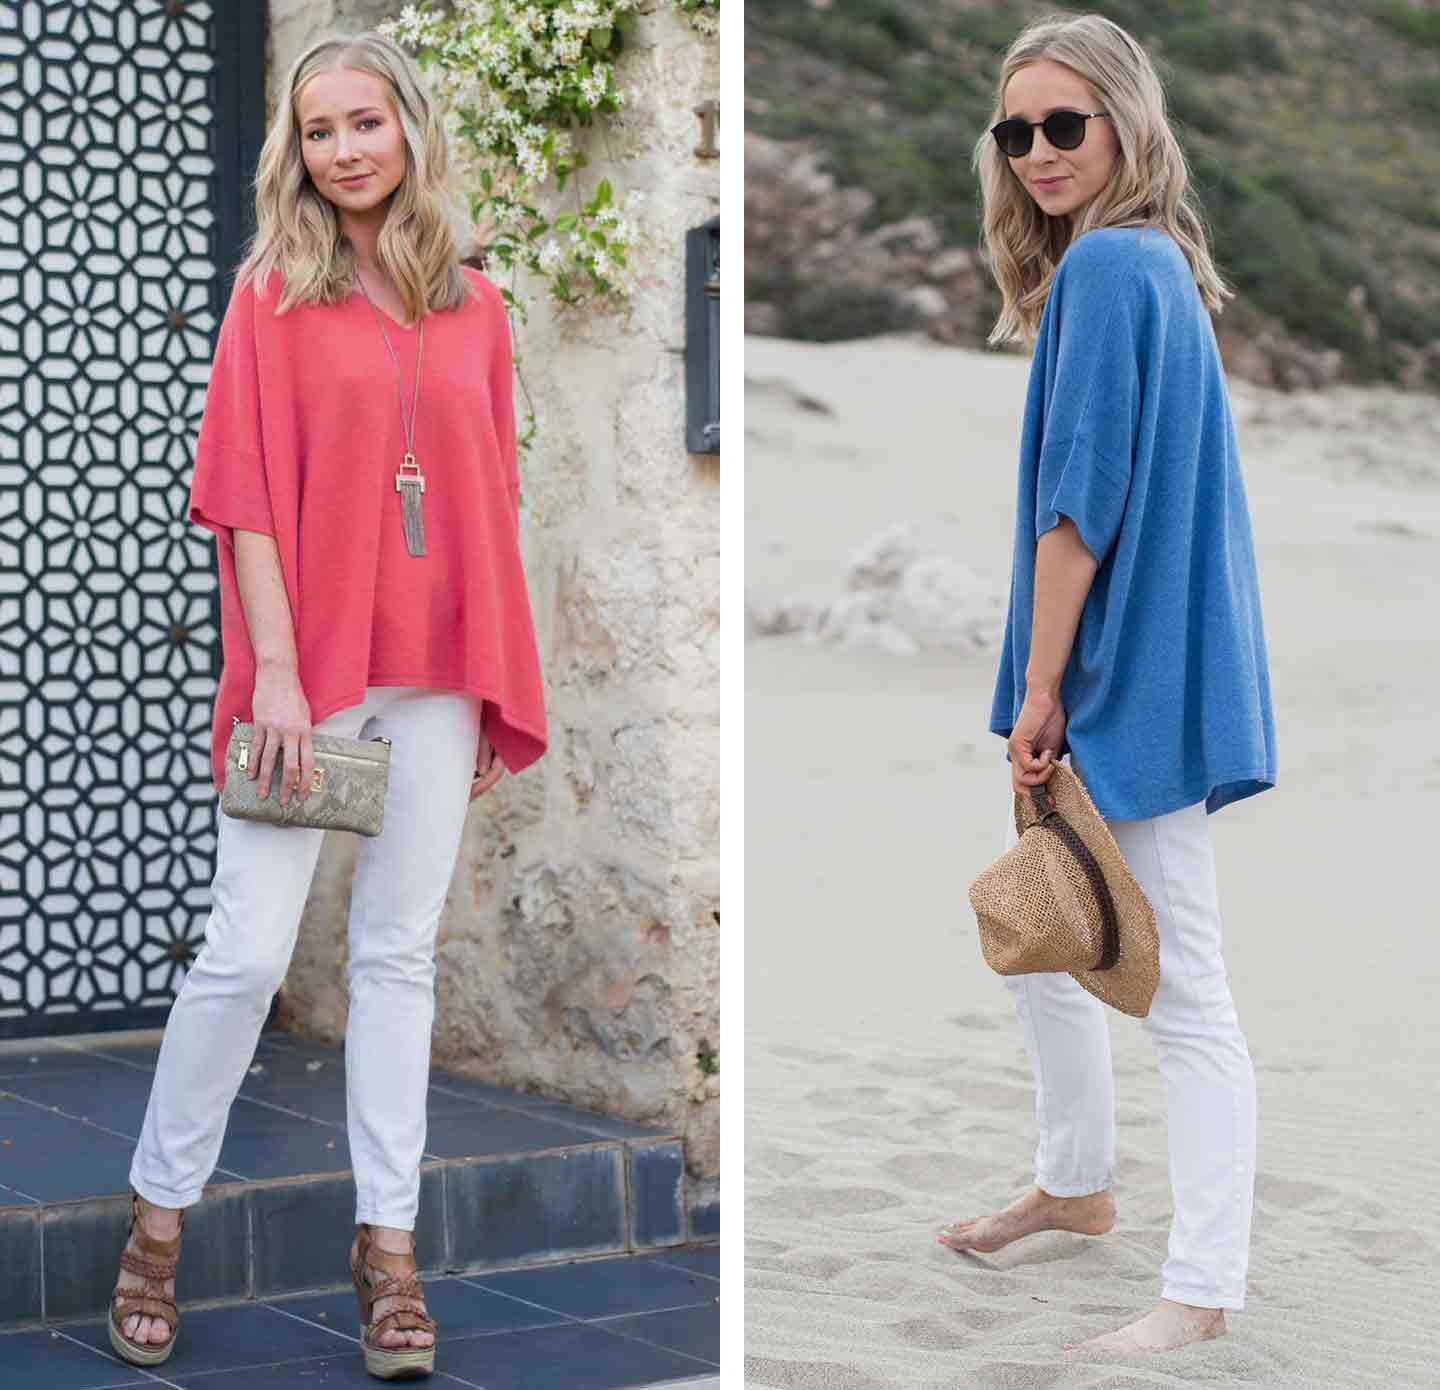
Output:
x=348 y=792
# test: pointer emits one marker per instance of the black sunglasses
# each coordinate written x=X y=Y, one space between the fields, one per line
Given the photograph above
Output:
x=1063 y=129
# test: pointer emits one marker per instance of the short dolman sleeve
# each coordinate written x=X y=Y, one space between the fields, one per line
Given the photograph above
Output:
x=229 y=488
x=1092 y=407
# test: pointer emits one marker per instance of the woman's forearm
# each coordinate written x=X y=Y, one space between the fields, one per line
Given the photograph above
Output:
x=1064 y=571
x=266 y=604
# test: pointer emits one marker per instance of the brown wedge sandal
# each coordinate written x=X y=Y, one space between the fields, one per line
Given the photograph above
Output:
x=391 y=1363
x=155 y=1264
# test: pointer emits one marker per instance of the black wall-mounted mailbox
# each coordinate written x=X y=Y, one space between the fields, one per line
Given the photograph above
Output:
x=702 y=338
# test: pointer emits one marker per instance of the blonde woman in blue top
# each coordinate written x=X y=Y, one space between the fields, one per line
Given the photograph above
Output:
x=1134 y=642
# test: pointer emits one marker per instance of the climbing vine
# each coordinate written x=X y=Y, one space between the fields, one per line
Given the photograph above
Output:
x=518 y=79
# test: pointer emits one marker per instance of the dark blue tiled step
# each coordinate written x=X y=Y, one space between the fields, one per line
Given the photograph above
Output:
x=532 y=1329
x=508 y=1180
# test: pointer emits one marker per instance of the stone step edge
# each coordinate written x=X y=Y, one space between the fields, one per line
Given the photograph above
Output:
x=593 y=1200
x=205 y=1305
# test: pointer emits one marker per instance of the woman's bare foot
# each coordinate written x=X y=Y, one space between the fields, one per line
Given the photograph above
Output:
x=1090 y=1215
x=159 y=1223
x=1166 y=1326
x=394 y=1242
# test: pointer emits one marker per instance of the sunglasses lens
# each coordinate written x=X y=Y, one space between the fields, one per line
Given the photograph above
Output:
x=1014 y=138
x=1064 y=129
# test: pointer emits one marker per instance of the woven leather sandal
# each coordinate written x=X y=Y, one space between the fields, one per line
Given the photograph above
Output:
x=155 y=1263
x=391 y=1363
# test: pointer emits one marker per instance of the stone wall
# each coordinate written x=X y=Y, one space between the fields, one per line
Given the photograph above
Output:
x=579 y=948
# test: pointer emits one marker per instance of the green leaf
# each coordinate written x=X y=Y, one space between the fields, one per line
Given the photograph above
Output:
x=485 y=180
x=566 y=222
x=600 y=39
x=598 y=238
x=602 y=194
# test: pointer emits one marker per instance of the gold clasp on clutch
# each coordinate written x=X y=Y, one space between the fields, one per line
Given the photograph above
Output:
x=242 y=761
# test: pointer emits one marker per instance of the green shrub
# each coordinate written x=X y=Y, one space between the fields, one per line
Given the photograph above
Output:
x=1313 y=195
x=1273 y=258
x=1195 y=105
x=1146 y=17
x=863 y=46
x=925 y=92
x=1419 y=26
x=910 y=169
x=1219 y=46
x=1419 y=96
x=1407 y=198
x=994 y=29
x=820 y=311
x=889 y=18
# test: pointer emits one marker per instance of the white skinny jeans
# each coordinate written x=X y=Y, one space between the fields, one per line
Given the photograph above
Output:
x=1205 y=1065
x=262 y=879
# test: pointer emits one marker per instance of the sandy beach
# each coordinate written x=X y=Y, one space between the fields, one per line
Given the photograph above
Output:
x=887 y=1090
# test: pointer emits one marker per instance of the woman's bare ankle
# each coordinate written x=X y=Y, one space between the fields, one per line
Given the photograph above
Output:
x=1088 y=1213
x=163 y=1223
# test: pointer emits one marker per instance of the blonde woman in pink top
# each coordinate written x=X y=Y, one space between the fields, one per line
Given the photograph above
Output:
x=357 y=350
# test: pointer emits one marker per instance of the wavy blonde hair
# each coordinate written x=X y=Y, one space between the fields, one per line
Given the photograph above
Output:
x=1150 y=185
x=298 y=229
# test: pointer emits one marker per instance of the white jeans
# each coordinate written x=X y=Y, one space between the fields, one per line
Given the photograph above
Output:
x=1205 y=1065
x=262 y=879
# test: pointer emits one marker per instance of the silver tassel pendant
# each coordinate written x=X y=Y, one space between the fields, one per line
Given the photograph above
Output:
x=411 y=486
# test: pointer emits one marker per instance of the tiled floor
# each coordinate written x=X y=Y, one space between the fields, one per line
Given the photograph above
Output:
x=69 y=1118
x=633 y=1321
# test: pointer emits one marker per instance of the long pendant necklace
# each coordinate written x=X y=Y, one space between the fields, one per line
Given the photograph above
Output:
x=409 y=481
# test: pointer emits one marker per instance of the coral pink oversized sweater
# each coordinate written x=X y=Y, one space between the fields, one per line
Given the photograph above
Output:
x=301 y=439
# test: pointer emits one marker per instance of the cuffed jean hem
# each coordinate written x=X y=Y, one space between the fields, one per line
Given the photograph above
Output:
x=1075 y=1187
x=399 y=1221
x=1204 y=1298
x=159 y=1196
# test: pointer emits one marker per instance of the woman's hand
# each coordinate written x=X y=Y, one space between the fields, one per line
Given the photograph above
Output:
x=1037 y=738
x=488 y=769
x=281 y=716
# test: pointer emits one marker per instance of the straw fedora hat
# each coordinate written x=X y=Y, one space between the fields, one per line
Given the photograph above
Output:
x=1065 y=899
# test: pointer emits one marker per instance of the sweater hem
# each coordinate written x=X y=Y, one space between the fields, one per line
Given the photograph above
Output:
x=355 y=697
x=1257 y=781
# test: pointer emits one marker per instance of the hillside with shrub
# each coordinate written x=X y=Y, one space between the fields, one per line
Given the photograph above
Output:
x=1312 y=131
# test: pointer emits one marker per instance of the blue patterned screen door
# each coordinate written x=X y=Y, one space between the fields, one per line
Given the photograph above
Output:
x=129 y=133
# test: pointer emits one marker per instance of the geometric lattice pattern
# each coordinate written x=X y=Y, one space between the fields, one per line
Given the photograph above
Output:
x=108 y=644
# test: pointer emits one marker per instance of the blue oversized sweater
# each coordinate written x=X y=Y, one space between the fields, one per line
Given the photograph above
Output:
x=1128 y=432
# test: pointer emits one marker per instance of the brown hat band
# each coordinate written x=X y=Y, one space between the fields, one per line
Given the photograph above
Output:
x=1052 y=820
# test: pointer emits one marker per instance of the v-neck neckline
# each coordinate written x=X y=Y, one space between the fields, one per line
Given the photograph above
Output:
x=395 y=323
